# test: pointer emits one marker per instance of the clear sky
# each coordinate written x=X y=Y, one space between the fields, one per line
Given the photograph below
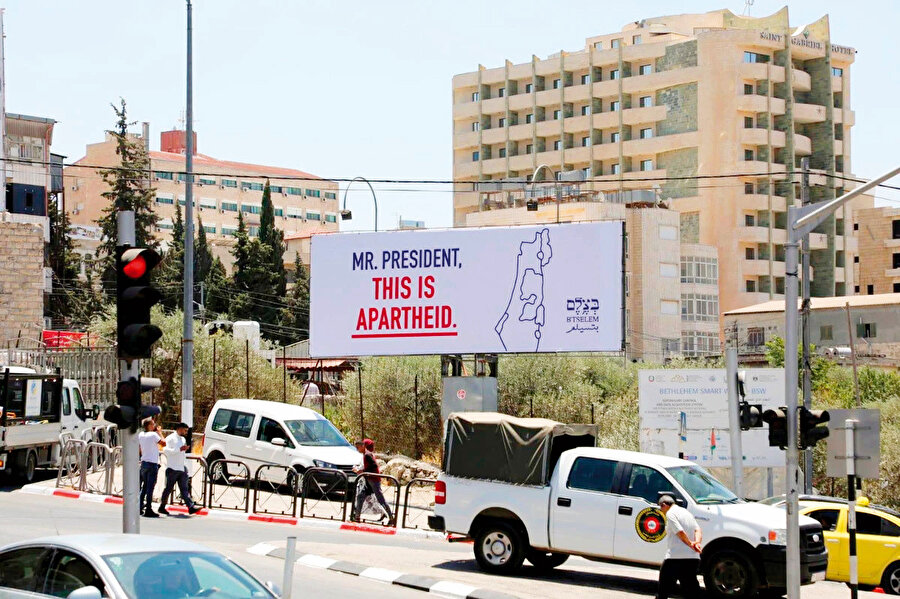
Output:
x=357 y=88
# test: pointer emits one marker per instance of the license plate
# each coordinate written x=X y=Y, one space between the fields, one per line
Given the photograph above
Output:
x=818 y=576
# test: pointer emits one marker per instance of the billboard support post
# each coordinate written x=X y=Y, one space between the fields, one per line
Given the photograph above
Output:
x=734 y=422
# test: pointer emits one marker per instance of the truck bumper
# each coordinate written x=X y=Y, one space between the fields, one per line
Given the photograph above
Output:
x=436 y=523
x=774 y=560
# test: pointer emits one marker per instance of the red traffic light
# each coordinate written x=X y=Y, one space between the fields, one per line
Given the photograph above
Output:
x=136 y=268
x=135 y=263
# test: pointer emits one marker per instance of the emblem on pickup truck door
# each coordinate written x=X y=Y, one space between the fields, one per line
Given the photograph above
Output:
x=650 y=525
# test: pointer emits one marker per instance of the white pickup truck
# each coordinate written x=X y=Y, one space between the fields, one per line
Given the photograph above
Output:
x=601 y=504
x=35 y=409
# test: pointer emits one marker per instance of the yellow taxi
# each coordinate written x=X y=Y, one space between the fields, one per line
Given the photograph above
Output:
x=877 y=541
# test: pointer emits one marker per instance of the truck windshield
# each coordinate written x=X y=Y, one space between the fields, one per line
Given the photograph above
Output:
x=701 y=485
x=316 y=432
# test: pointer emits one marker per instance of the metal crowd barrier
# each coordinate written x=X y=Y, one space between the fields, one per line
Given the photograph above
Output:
x=196 y=468
x=420 y=518
x=96 y=460
x=228 y=484
x=325 y=481
x=369 y=478
x=71 y=462
x=274 y=480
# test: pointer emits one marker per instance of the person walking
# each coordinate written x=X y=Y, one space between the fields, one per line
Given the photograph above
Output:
x=176 y=471
x=371 y=485
x=149 y=440
x=683 y=554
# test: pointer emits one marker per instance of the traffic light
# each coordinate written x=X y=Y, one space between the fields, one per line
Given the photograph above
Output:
x=777 y=420
x=810 y=431
x=134 y=298
x=128 y=412
x=751 y=415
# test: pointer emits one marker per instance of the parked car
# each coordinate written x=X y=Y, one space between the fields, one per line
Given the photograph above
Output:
x=119 y=566
x=877 y=539
x=260 y=433
x=527 y=488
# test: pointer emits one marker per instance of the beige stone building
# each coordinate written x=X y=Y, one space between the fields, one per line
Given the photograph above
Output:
x=21 y=281
x=711 y=111
x=665 y=280
x=877 y=265
x=304 y=203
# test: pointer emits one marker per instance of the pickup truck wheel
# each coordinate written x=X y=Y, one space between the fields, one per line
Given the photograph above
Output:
x=890 y=582
x=544 y=560
x=499 y=548
x=730 y=574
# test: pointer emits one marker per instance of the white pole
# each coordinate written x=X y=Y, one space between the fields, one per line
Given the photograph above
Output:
x=187 y=343
x=791 y=453
x=734 y=422
x=850 y=431
x=290 y=557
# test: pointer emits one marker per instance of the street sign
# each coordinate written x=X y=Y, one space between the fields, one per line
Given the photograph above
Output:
x=867 y=446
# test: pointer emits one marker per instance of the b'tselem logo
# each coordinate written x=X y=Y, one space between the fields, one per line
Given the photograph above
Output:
x=650 y=525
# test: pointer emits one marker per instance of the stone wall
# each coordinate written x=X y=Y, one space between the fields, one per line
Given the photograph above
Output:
x=678 y=56
x=678 y=163
x=681 y=109
x=21 y=281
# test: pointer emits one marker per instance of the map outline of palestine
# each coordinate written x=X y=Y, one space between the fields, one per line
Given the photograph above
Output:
x=519 y=328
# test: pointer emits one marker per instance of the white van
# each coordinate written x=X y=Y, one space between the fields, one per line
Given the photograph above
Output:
x=259 y=433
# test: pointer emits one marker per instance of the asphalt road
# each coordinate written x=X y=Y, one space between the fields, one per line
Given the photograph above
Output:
x=41 y=515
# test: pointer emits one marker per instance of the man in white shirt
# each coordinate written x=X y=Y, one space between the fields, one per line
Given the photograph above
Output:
x=149 y=440
x=176 y=471
x=683 y=555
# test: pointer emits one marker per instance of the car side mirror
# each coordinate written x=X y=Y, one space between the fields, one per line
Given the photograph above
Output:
x=90 y=592
x=680 y=501
x=95 y=412
x=279 y=442
x=276 y=590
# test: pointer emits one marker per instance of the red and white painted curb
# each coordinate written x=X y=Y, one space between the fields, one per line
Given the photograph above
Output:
x=37 y=489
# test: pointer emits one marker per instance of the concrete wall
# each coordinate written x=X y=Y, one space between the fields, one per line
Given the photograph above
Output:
x=21 y=281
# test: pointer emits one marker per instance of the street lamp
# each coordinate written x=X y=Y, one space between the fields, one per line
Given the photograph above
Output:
x=532 y=206
x=346 y=214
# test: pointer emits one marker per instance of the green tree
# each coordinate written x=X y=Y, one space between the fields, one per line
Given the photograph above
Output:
x=295 y=316
x=217 y=285
x=271 y=236
x=170 y=277
x=64 y=262
x=129 y=189
x=821 y=367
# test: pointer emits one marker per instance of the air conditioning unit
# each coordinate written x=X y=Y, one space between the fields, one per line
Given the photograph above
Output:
x=75 y=188
x=284 y=193
x=222 y=210
x=221 y=187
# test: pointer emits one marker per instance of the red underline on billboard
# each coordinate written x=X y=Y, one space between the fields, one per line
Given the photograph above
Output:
x=383 y=335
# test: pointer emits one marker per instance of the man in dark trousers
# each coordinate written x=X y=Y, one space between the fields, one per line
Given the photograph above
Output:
x=370 y=485
x=149 y=440
x=683 y=555
x=176 y=470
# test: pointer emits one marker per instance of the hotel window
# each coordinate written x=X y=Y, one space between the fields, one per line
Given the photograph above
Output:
x=474 y=96
x=756 y=336
x=251 y=208
x=476 y=126
x=182 y=176
x=313 y=215
x=163 y=175
x=614 y=137
x=750 y=286
x=585 y=79
x=314 y=193
x=748 y=188
x=585 y=110
x=749 y=254
x=585 y=141
x=698 y=307
x=586 y=173
x=294 y=212
x=275 y=188
x=206 y=181
x=475 y=156
x=529 y=149
x=645 y=102
x=229 y=207
x=895 y=229
x=229 y=183
x=253 y=231
x=208 y=203
x=251 y=186
x=529 y=118
x=501 y=153
x=646 y=133
x=165 y=200
x=209 y=228
x=646 y=165
x=294 y=191
x=330 y=195
x=615 y=43
x=614 y=105
x=826 y=333
x=164 y=225
x=501 y=92
x=837 y=72
x=529 y=87
x=748 y=154
x=614 y=74
x=870 y=289
x=557 y=144
x=330 y=218
x=748 y=89
x=636 y=40
x=645 y=69
x=501 y=122
x=598 y=45
x=557 y=83
x=557 y=114
x=614 y=169
x=749 y=220
x=279 y=212
x=228 y=230
x=866 y=330
x=754 y=57
x=748 y=122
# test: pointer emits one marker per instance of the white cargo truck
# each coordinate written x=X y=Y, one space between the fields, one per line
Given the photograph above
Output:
x=539 y=490
x=35 y=409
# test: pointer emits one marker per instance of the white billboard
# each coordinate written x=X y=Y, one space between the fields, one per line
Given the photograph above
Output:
x=686 y=411
x=545 y=288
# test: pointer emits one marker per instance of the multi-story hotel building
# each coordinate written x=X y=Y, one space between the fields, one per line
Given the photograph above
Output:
x=303 y=203
x=878 y=263
x=713 y=112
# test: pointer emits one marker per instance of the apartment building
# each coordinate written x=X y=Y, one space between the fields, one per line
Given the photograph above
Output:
x=304 y=203
x=713 y=111
x=877 y=266
x=671 y=291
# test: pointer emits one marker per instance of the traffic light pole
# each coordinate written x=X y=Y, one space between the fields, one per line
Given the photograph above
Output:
x=187 y=342
x=801 y=221
x=131 y=460
x=734 y=421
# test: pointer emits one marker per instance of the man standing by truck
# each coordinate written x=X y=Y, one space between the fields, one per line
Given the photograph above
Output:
x=683 y=555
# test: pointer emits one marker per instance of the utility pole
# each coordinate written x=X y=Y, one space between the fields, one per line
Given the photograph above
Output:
x=805 y=306
x=3 y=107
x=800 y=222
x=128 y=369
x=734 y=421
x=187 y=340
